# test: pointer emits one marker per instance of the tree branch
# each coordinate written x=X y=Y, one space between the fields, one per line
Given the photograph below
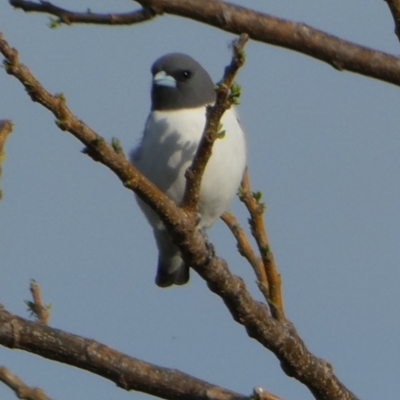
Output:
x=36 y=307
x=340 y=54
x=96 y=145
x=260 y=394
x=21 y=390
x=225 y=99
x=280 y=338
x=127 y=372
x=247 y=252
x=5 y=130
x=256 y=210
x=394 y=6
x=70 y=17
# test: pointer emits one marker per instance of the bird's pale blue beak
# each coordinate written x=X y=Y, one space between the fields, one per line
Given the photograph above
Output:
x=162 y=79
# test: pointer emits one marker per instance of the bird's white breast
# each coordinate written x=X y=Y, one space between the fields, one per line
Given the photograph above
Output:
x=169 y=143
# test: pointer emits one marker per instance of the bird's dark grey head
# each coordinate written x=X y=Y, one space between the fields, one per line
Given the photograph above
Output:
x=180 y=82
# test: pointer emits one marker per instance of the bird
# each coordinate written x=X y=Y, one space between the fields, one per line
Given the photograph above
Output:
x=180 y=93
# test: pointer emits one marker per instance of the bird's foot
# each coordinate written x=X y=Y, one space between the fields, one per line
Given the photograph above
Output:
x=198 y=219
x=209 y=245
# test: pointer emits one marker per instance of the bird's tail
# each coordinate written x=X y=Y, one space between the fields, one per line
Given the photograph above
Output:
x=171 y=268
x=171 y=271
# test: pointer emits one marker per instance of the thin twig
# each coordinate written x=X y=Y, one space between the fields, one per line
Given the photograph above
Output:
x=247 y=252
x=211 y=130
x=5 y=130
x=256 y=210
x=21 y=390
x=36 y=307
x=70 y=17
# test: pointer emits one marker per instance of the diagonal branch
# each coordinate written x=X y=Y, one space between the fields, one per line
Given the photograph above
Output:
x=211 y=133
x=256 y=210
x=247 y=252
x=96 y=145
x=127 y=372
x=21 y=390
x=279 y=337
x=340 y=54
x=70 y=17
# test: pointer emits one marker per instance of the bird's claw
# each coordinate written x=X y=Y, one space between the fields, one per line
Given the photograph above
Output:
x=209 y=245
x=198 y=219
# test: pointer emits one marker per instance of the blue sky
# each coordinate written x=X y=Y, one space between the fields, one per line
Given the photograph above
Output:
x=323 y=147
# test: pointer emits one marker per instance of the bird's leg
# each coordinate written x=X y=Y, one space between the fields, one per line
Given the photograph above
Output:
x=198 y=218
x=209 y=245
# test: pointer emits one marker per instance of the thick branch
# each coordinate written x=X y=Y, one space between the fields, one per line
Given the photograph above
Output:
x=127 y=372
x=211 y=130
x=21 y=390
x=394 y=6
x=341 y=54
x=71 y=17
x=280 y=338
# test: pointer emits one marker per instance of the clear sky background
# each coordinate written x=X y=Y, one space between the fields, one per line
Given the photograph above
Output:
x=323 y=147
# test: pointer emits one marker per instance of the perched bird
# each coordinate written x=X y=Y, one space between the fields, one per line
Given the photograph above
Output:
x=181 y=90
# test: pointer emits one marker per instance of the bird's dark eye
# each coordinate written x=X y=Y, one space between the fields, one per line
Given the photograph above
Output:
x=186 y=74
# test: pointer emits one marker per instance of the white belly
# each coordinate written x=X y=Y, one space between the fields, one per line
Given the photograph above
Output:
x=169 y=143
